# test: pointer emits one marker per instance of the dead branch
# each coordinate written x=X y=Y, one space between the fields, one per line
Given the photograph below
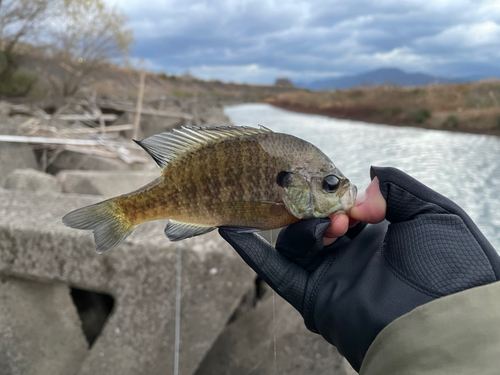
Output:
x=61 y=141
x=115 y=128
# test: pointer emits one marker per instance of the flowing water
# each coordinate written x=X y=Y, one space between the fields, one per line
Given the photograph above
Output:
x=463 y=167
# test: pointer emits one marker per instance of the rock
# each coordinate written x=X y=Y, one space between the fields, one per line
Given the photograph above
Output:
x=15 y=156
x=208 y=113
x=4 y=108
x=247 y=346
x=75 y=160
x=138 y=337
x=149 y=125
x=12 y=126
x=109 y=183
x=32 y=180
x=214 y=116
x=39 y=329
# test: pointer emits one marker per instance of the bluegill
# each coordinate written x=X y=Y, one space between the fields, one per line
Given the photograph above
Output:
x=244 y=177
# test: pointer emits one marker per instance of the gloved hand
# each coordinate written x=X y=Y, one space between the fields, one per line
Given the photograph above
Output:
x=350 y=290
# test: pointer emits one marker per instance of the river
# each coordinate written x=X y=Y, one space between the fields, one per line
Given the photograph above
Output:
x=463 y=167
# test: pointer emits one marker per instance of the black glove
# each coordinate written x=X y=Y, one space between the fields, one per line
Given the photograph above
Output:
x=349 y=291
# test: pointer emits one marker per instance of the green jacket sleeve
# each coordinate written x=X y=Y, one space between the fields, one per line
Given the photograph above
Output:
x=456 y=334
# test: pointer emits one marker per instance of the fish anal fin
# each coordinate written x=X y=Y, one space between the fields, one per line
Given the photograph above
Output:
x=239 y=229
x=176 y=231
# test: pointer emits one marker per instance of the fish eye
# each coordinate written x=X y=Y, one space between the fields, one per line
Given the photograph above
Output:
x=284 y=179
x=330 y=184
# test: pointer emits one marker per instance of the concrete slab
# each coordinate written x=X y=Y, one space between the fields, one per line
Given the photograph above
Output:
x=75 y=160
x=15 y=156
x=32 y=180
x=40 y=332
x=106 y=183
x=4 y=108
x=149 y=124
x=247 y=346
x=139 y=335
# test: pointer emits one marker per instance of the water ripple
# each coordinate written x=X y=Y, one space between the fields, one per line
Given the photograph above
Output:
x=463 y=167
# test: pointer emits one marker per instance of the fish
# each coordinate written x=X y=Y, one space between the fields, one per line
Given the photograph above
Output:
x=234 y=177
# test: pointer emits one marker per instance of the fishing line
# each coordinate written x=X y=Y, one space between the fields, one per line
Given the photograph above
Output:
x=177 y=340
x=274 y=319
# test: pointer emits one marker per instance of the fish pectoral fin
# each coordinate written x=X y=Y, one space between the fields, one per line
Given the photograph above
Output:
x=176 y=231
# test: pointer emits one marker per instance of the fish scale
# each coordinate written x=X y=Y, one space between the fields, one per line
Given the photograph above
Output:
x=223 y=176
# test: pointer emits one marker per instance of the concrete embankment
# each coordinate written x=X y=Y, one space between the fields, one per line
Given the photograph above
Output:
x=68 y=310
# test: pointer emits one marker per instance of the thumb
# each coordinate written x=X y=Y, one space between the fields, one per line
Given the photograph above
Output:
x=370 y=207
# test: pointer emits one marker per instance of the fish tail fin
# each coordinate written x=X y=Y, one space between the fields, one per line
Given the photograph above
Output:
x=109 y=226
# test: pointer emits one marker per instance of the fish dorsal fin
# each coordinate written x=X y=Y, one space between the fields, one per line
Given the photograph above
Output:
x=176 y=231
x=164 y=147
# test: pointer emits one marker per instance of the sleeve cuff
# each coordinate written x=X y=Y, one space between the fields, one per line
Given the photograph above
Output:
x=456 y=334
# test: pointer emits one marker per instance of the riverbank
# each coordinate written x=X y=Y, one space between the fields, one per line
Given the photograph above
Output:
x=470 y=108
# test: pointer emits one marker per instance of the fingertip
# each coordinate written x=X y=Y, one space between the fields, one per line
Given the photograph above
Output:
x=371 y=205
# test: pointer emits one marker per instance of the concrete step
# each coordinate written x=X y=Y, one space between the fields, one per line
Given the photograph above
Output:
x=106 y=183
x=32 y=180
x=40 y=332
x=140 y=274
x=247 y=345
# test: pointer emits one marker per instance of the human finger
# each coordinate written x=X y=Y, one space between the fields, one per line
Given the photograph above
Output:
x=370 y=207
x=338 y=227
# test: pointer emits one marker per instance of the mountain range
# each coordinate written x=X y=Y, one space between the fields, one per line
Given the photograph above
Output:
x=382 y=76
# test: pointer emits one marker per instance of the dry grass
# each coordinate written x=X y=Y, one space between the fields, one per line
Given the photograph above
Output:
x=469 y=107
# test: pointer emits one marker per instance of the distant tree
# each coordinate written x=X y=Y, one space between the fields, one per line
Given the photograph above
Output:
x=283 y=82
x=87 y=34
x=20 y=21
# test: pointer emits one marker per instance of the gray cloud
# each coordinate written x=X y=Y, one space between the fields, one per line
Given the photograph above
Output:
x=258 y=40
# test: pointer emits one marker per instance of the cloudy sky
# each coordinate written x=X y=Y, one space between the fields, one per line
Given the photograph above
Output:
x=257 y=41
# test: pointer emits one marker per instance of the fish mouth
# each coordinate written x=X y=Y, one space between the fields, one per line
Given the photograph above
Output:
x=348 y=199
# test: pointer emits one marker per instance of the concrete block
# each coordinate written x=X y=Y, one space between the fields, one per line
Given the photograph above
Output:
x=108 y=184
x=40 y=332
x=5 y=108
x=214 y=116
x=149 y=125
x=15 y=156
x=32 y=180
x=140 y=274
x=247 y=346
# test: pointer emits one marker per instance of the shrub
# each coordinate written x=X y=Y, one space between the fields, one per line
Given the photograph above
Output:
x=3 y=62
x=355 y=93
x=390 y=111
x=162 y=75
x=450 y=122
x=17 y=84
x=181 y=94
x=420 y=115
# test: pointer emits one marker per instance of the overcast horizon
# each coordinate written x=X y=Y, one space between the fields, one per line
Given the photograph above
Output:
x=258 y=41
